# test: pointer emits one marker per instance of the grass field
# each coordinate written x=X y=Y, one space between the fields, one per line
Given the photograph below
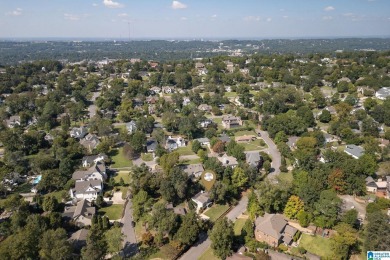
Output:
x=238 y=225
x=254 y=145
x=286 y=177
x=216 y=211
x=242 y=133
x=165 y=252
x=119 y=160
x=113 y=212
x=208 y=255
x=193 y=161
x=147 y=157
x=316 y=245
x=230 y=94
x=125 y=175
x=185 y=150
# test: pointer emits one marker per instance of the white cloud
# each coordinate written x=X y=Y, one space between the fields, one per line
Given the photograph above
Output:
x=183 y=18
x=95 y=5
x=178 y=5
x=112 y=4
x=269 y=19
x=123 y=15
x=16 y=12
x=71 y=17
x=329 y=8
x=327 y=18
x=214 y=16
x=252 y=18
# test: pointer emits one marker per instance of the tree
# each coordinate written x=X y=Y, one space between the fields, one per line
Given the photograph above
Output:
x=167 y=161
x=267 y=166
x=96 y=246
x=218 y=192
x=376 y=233
x=189 y=229
x=328 y=207
x=219 y=147
x=147 y=238
x=196 y=146
x=325 y=116
x=341 y=243
x=293 y=207
x=137 y=141
x=350 y=217
x=272 y=197
x=114 y=238
x=221 y=237
x=239 y=177
x=54 y=245
x=336 y=181
x=50 y=203
x=303 y=218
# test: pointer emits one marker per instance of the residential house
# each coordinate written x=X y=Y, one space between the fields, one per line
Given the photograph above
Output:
x=253 y=159
x=331 y=138
x=174 y=143
x=379 y=187
x=205 y=107
x=229 y=66
x=78 y=239
x=178 y=210
x=292 y=141
x=90 y=142
x=383 y=93
x=95 y=172
x=131 y=127
x=229 y=121
x=227 y=160
x=274 y=230
x=91 y=160
x=193 y=170
x=202 y=200
x=331 y=110
x=245 y=138
x=155 y=90
x=78 y=132
x=151 y=145
x=88 y=190
x=205 y=123
x=186 y=101
x=354 y=151
x=168 y=90
x=13 y=121
x=203 y=141
x=224 y=138
x=81 y=214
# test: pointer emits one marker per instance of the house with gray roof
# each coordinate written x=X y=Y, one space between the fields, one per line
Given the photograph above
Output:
x=90 y=142
x=91 y=160
x=151 y=145
x=253 y=159
x=193 y=170
x=354 y=151
x=81 y=214
x=95 y=172
x=78 y=239
x=202 y=199
x=131 y=126
x=227 y=160
x=203 y=141
x=78 y=132
x=273 y=229
x=383 y=93
x=13 y=121
x=88 y=190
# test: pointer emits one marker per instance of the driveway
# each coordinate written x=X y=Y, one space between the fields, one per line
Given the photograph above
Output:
x=130 y=246
x=349 y=202
x=273 y=151
x=204 y=242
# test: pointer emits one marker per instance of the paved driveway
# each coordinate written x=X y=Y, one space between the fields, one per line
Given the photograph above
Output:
x=273 y=151
x=130 y=246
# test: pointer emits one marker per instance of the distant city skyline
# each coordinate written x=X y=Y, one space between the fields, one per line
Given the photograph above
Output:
x=194 y=19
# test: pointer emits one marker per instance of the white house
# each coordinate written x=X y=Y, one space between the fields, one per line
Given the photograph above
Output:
x=174 y=143
x=202 y=199
x=131 y=126
x=383 y=93
x=88 y=190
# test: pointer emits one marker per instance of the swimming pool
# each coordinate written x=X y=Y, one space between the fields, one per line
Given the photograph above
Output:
x=37 y=179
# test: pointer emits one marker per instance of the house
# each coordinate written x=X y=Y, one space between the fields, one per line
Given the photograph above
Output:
x=155 y=90
x=380 y=186
x=354 y=151
x=331 y=110
x=202 y=199
x=205 y=123
x=168 y=89
x=205 y=107
x=95 y=172
x=78 y=132
x=78 y=239
x=245 y=138
x=371 y=185
x=331 y=138
x=203 y=141
x=227 y=160
x=292 y=141
x=178 y=210
x=174 y=143
x=225 y=138
x=81 y=214
x=253 y=159
x=383 y=93
x=13 y=121
x=131 y=127
x=151 y=145
x=193 y=170
x=88 y=190
x=186 y=101
x=229 y=121
x=273 y=230
x=90 y=142
x=90 y=160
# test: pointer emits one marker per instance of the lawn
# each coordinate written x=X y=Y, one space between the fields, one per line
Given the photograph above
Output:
x=119 y=160
x=216 y=211
x=242 y=133
x=316 y=245
x=208 y=255
x=254 y=145
x=185 y=150
x=147 y=157
x=193 y=161
x=125 y=175
x=230 y=94
x=238 y=225
x=113 y=212
x=286 y=177
x=165 y=252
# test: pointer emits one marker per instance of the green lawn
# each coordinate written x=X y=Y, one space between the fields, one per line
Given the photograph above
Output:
x=119 y=160
x=125 y=175
x=113 y=212
x=230 y=94
x=242 y=133
x=316 y=245
x=286 y=177
x=208 y=255
x=193 y=161
x=57 y=194
x=165 y=252
x=216 y=211
x=254 y=145
x=238 y=225
x=147 y=157
x=185 y=150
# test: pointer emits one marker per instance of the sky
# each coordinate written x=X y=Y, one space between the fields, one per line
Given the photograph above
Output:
x=194 y=19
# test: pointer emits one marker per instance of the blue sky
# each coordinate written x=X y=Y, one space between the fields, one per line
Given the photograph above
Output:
x=194 y=18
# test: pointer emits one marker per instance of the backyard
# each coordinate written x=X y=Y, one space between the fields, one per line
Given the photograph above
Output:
x=125 y=175
x=113 y=212
x=119 y=160
x=185 y=150
x=316 y=245
x=257 y=144
x=216 y=211
x=238 y=225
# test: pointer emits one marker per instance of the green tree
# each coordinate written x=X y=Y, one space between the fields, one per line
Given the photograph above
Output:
x=303 y=218
x=189 y=229
x=50 y=203
x=327 y=207
x=167 y=161
x=325 y=116
x=239 y=178
x=341 y=243
x=376 y=233
x=221 y=237
x=293 y=207
x=196 y=146
x=114 y=238
x=54 y=245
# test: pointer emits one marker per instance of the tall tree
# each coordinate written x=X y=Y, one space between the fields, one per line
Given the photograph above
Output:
x=221 y=237
x=54 y=245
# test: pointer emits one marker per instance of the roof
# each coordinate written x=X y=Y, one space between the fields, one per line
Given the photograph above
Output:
x=292 y=141
x=193 y=169
x=79 y=235
x=224 y=138
x=151 y=144
x=82 y=186
x=203 y=140
x=369 y=179
x=227 y=160
x=245 y=138
x=383 y=93
x=271 y=224
x=253 y=158
x=202 y=197
x=290 y=230
x=354 y=150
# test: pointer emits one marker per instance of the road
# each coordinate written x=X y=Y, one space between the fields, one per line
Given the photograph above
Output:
x=273 y=151
x=130 y=246
x=204 y=242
